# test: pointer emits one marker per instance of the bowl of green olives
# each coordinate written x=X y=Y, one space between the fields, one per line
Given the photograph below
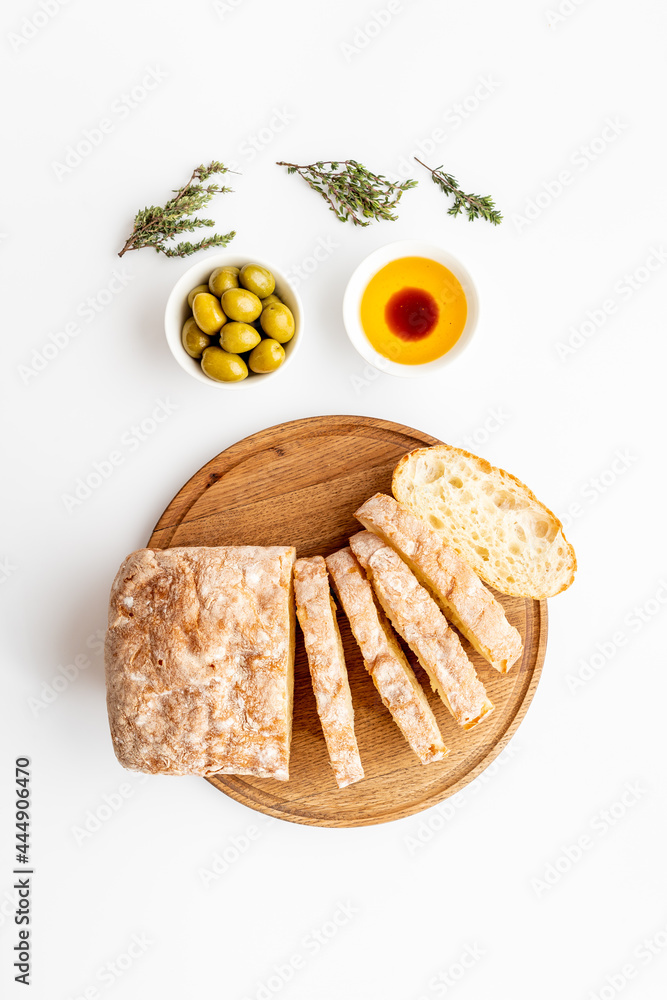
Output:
x=232 y=320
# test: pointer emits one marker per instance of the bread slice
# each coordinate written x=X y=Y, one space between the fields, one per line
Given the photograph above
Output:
x=490 y=518
x=418 y=619
x=384 y=659
x=316 y=612
x=199 y=658
x=462 y=596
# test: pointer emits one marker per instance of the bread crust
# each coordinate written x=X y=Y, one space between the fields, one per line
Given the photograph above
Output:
x=418 y=619
x=316 y=613
x=384 y=659
x=402 y=483
x=199 y=657
x=460 y=593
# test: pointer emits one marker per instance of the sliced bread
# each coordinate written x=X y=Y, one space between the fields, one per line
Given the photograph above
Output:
x=491 y=519
x=316 y=612
x=467 y=603
x=384 y=659
x=418 y=619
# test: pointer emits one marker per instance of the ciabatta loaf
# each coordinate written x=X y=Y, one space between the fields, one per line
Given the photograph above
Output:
x=384 y=659
x=460 y=593
x=199 y=661
x=490 y=518
x=316 y=612
x=418 y=619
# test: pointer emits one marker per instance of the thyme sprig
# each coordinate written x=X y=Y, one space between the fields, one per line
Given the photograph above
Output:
x=351 y=190
x=474 y=205
x=154 y=226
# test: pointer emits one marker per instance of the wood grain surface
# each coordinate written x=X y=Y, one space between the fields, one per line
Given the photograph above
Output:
x=299 y=483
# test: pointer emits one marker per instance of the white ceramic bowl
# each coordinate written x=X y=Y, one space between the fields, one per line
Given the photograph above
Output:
x=357 y=285
x=177 y=311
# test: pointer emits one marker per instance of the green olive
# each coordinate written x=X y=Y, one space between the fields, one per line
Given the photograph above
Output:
x=208 y=315
x=239 y=337
x=269 y=300
x=194 y=341
x=241 y=305
x=196 y=291
x=257 y=279
x=278 y=322
x=222 y=366
x=266 y=357
x=223 y=278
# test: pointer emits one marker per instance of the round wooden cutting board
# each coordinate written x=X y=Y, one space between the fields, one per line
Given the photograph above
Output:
x=299 y=484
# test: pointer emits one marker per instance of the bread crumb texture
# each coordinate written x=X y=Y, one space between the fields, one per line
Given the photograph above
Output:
x=464 y=599
x=385 y=661
x=419 y=621
x=495 y=523
x=316 y=612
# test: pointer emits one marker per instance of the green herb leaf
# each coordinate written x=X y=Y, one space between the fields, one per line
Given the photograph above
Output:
x=475 y=206
x=154 y=226
x=352 y=192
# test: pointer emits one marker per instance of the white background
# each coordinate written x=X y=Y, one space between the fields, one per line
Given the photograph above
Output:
x=476 y=879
